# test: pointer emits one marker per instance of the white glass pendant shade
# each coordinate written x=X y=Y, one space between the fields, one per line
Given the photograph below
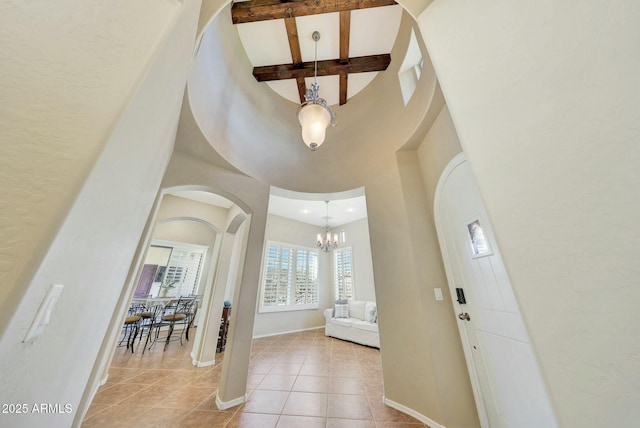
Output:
x=314 y=120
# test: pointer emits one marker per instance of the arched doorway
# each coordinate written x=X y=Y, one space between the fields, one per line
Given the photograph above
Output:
x=507 y=383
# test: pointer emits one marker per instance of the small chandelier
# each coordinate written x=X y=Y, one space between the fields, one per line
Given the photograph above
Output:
x=328 y=241
x=315 y=114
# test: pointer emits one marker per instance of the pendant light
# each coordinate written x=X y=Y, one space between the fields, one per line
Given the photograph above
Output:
x=328 y=241
x=315 y=114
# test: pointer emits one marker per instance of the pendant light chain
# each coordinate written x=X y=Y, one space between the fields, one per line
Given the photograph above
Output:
x=315 y=67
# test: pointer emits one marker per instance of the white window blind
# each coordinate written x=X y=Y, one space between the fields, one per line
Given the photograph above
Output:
x=184 y=268
x=289 y=278
x=343 y=273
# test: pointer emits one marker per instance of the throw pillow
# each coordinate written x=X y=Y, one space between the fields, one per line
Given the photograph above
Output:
x=341 y=310
x=371 y=312
x=356 y=309
x=338 y=302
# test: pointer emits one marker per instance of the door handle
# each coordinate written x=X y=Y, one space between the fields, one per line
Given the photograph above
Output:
x=464 y=316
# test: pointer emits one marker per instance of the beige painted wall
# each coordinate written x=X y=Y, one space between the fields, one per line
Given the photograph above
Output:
x=281 y=229
x=186 y=231
x=440 y=145
x=178 y=207
x=423 y=363
x=157 y=256
x=104 y=157
x=55 y=64
x=544 y=98
x=358 y=239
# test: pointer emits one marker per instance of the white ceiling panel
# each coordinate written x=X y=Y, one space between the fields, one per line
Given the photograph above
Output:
x=374 y=30
x=329 y=88
x=265 y=42
x=285 y=88
x=328 y=24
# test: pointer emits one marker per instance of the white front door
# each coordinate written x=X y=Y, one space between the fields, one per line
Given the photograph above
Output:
x=507 y=383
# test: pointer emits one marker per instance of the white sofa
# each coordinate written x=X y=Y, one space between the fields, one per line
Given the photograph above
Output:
x=360 y=324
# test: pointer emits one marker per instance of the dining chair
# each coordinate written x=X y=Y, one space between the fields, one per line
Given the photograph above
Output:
x=150 y=319
x=192 y=313
x=176 y=314
x=131 y=326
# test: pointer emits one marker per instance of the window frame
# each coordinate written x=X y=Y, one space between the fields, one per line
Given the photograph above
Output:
x=291 y=287
x=181 y=288
x=335 y=272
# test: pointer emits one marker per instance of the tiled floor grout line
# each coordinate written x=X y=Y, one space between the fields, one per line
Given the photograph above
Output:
x=301 y=350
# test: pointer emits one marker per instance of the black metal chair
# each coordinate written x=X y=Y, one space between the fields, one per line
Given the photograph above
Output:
x=150 y=319
x=131 y=325
x=176 y=314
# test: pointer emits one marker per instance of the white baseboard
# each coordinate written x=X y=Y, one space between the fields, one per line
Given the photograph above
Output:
x=202 y=363
x=103 y=381
x=224 y=405
x=422 y=418
x=287 y=332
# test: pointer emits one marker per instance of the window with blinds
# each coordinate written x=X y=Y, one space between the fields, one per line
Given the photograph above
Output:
x=185 y=266
x=289 y=278
x=343 y=273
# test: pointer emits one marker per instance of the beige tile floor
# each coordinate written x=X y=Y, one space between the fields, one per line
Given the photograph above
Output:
x=295 y=380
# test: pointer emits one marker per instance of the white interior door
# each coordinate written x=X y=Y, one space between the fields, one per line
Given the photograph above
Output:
x=505 y=376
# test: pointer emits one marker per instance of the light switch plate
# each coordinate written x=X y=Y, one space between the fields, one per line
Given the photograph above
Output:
x=44 y=313
x=438 y=293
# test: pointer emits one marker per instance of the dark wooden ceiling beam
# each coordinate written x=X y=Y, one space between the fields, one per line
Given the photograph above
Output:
x=296 y=54
x=345 y=33
x=344 y=80
x=294 y=42
x=331 y=67
x=264 y=10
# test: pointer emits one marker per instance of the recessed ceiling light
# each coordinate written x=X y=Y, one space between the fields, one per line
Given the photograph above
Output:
x=305 y=211
x=350 y=210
